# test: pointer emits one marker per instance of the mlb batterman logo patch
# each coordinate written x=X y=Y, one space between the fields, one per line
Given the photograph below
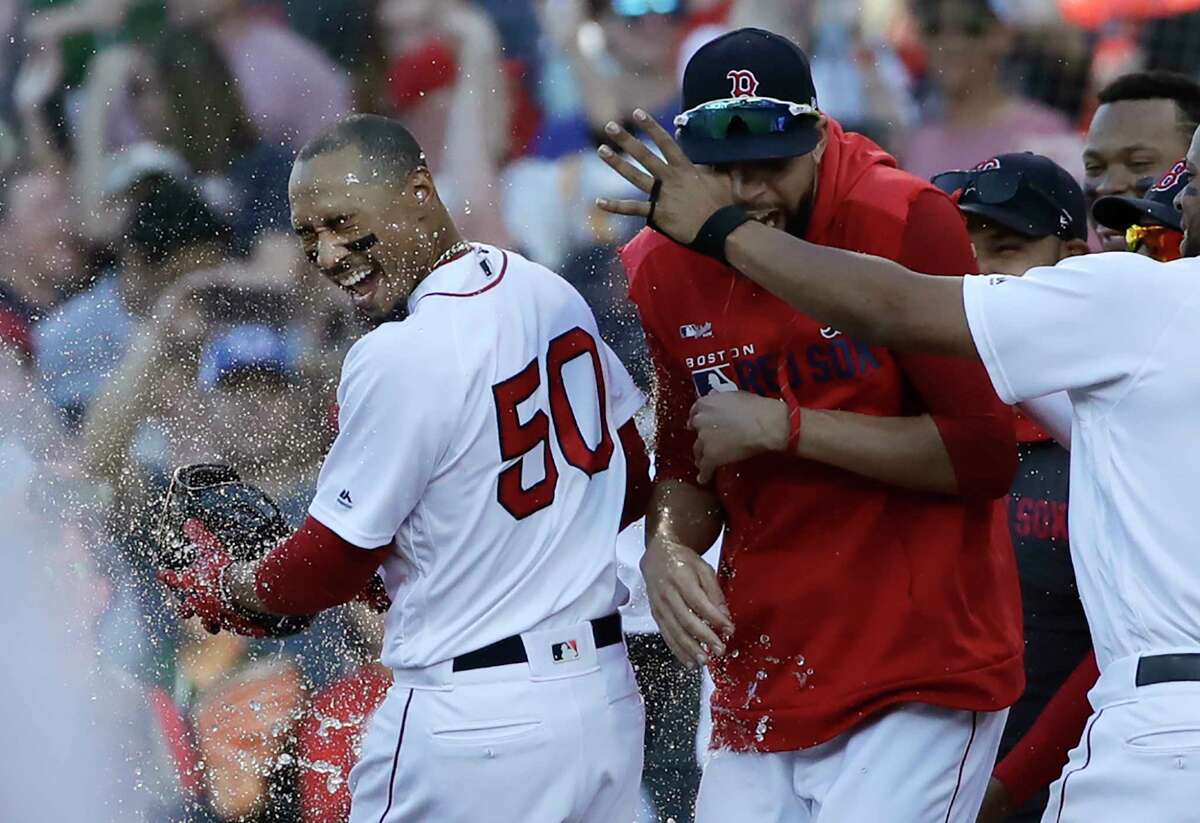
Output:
x=565 y=651
x=692 y=331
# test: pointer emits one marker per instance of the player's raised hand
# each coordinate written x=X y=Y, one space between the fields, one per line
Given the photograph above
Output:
x=686 y=601
x=682 y=195
x=733 y=426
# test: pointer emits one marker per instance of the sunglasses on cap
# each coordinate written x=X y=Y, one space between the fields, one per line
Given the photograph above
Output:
x=1161 y=241
x=995 y=187
x=759 y=116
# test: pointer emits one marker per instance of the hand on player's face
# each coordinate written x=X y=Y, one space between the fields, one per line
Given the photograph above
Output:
x=688 y=194
x=734 y=426
x=686 y=602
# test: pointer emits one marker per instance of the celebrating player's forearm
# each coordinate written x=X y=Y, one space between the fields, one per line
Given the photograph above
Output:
x=900 y=451
x=863 y=295
x=311 y=571
x=685 y=597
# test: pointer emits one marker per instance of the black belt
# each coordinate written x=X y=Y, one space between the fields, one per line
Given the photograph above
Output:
x=1167 y=668
x=606 y=630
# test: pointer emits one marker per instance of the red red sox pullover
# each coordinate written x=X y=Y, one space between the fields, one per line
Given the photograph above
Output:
x=848 y=595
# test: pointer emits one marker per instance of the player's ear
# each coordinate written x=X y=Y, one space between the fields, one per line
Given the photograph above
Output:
x=420 y=187
x=823 y=128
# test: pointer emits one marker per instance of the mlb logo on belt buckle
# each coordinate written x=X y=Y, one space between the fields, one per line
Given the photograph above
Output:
x=564 y=652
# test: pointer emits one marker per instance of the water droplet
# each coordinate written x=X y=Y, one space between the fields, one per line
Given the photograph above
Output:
x=765 y=639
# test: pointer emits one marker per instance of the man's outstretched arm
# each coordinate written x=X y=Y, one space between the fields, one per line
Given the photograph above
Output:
x=862 y=295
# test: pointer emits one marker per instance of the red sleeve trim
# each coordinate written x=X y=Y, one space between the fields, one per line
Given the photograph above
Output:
x=1038 y=758
x=313 y=570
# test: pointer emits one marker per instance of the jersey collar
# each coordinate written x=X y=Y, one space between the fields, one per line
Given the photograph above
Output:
x=462 y=274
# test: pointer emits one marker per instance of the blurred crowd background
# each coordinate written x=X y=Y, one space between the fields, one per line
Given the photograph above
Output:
x=156 y=311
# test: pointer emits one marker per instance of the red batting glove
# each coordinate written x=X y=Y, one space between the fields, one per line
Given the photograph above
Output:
x=200 y=590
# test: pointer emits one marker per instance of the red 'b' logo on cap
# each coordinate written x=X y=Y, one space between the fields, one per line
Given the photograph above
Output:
x=1172 y=177
x=744 y=83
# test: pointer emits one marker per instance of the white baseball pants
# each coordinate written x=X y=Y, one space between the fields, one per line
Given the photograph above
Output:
x=521 y=743
x=911 y=764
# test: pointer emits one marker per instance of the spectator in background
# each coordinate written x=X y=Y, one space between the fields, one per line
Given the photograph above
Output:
x=331 y=733
x=243 y=712
x=619 y=52
x=242 y=176
x=289 y=87
x=169 y=232
x=979 y=116
x=1143 y=125
x=43 y=260
x=622 y=54
x=263 y=421
x=435 y=65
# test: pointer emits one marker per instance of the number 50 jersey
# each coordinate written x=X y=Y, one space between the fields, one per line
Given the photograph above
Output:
x=478 y=437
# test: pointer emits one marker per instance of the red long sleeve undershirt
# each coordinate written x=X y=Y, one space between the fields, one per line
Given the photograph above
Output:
x=1038 y=758
x=315 y=569
x=637 y=475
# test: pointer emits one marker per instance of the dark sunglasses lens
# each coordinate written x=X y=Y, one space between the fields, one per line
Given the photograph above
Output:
x=996 y=185
x=951 y=181
x=716 y=123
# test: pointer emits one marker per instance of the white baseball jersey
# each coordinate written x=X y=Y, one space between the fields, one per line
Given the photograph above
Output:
x=1120 y=333
x=479 y=438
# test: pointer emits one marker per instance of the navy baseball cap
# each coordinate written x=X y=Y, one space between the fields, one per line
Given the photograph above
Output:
x=748 y=95
x=248 y=348
x=1157 y=208
x=1025 y=192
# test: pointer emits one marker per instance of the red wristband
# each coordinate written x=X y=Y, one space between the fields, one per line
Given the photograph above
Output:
x=795 y=413
x=794 y=418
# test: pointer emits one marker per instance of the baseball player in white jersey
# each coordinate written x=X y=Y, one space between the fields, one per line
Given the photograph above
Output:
x=485 y=438
x=1118 y=333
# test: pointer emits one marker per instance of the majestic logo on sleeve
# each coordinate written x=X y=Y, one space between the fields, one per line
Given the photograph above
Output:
x=344 y=499
x=745 y=84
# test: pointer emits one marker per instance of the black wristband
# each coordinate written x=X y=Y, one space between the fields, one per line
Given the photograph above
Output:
x=710 y=240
